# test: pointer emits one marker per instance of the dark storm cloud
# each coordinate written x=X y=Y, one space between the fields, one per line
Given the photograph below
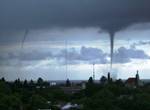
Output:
x=10 y=36
x=124 y=55
x=111 y=15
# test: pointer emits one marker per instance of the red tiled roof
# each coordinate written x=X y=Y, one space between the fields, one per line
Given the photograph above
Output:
x=131 y=80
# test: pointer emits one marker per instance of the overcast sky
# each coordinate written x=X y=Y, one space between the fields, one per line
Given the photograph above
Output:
x=56 y=39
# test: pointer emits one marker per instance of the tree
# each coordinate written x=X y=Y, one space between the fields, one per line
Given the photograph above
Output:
x=3 y=79
x=25 y=83
x=103 y=80
x=31 y=84
x=38 y=102
x=10 y=102
x=102 y=100
x=40 y=81
x=119 y=82
x=90 y=81
x=17 y=83
x=91 y=87
x=68 y=83
x=5 y=88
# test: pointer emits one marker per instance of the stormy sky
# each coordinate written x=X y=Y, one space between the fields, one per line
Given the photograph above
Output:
x=39 y=37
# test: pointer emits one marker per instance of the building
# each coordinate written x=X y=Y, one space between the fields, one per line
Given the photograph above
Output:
x=109 y=78
x=134 y=81
x=53 y=83
x=131 y=82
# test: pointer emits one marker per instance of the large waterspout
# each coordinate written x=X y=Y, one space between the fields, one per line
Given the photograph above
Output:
x=24 y=38
x=111 y=48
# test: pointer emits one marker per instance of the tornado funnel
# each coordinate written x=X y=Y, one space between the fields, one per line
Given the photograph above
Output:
x=111 y=48
x=24 y=38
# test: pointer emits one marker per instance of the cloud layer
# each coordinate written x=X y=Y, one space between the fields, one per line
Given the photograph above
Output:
x=124 y=55
x=85 y=55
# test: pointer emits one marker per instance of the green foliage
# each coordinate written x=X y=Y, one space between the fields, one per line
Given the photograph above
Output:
x=10 y=102
x=115 y=96
x=37 y=102
x=4 y=88
x=103 y=80
x=68 y=83
x=103 y=99
x=90 y=81
x=109 y=96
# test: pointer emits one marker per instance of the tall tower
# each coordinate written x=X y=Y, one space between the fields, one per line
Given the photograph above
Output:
x=93 y=71
x=108 y=76
x=137 y=77
x=66 y=56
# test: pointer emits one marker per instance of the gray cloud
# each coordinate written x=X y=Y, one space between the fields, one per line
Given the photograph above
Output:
x=93 y=54
x=140 y=43
x=28 y=57
x=84 y=55
x=124 y=55
x=109 y=15
x=35 y=55
x=87 y=55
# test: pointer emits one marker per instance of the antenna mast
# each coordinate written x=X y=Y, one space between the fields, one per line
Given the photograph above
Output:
x=66 y=48
x=93 y=71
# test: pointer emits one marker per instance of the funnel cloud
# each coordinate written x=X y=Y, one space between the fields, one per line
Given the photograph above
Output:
x=24 y=38
x=111 y=48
